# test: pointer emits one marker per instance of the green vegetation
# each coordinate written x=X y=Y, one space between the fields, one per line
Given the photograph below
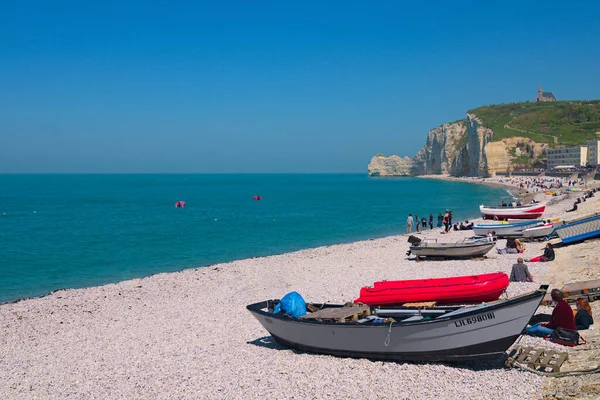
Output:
x=570 y=122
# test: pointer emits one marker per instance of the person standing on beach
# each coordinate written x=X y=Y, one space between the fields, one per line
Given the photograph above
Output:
x=440 y=220
x=445 y=221
x=409 y=223
x=417 y=223
x=424 y=223
x=430 y=221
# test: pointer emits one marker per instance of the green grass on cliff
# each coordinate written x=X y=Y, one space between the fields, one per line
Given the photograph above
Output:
x=571 y=122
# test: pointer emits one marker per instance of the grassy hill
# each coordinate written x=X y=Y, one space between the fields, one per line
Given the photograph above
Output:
x=556 y=123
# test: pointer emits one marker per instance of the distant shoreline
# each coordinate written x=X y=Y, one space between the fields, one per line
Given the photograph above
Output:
x=513 y=190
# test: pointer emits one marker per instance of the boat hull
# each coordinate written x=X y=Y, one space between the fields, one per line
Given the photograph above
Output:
x=480 y=333
x=460 y=289
x=505 y=230
x=504 y=213
x=451 y=250
x=538 y=231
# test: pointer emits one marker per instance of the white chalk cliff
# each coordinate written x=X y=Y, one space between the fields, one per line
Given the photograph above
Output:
x=461 y=148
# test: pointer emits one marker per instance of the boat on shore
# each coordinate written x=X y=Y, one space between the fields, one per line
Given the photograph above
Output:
x=461 y=249
x=530 y=211
x=514 y=229
x=457 y=290
x=438 y=334
x=537 y=231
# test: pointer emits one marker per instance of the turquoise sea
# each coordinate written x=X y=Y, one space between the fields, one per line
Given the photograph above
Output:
x=70 y=231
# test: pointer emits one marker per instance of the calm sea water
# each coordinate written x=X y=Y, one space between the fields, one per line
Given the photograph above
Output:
x=68 y=231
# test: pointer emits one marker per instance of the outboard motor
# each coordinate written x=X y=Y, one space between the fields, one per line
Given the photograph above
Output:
x=413 y=240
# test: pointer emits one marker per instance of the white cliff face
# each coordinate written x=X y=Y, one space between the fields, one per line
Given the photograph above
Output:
x=462 y=148
x=441 y=149
x=381 y=165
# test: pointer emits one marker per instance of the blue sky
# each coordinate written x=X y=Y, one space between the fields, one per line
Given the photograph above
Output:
x=270 y=86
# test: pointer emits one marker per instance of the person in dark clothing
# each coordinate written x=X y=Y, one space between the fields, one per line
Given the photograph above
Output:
x=547 y=256
x=574 y=208
x=440 y=220
x=446 y=223
x=583 y=317
x=430 y=221
x=562 y=317
x=503 y=204
x=424 y=223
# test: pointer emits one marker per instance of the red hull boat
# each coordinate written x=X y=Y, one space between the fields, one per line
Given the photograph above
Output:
x=459 y=289
x=531 y=211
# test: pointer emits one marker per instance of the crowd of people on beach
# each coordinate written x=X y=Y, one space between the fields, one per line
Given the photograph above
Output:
x=587 y=194
x=542 y=183
x=443 y=221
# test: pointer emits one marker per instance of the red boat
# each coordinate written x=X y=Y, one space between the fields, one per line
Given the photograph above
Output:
x=458 y=289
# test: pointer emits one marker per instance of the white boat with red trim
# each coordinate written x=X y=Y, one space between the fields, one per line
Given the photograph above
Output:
x=530 y=211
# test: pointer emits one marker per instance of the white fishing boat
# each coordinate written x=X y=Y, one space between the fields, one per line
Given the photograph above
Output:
x=537 y=231
x=483 y=331
x=461 y=249
x=506 y=229
x=530 y=211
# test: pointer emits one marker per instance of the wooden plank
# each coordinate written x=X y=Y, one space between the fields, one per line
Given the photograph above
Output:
x=339 y=314
x=421 y=304
x=541 y=359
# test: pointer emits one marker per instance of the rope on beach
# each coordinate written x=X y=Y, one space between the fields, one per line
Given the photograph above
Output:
x=388 y=339
x=512 y=362
x=556 y=374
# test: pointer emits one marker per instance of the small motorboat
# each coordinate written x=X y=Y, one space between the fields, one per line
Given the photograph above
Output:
x=457 y=290
x=530 y=211
x=439 y=334
x=461 y=249
x=537 y=231
x=505 y=230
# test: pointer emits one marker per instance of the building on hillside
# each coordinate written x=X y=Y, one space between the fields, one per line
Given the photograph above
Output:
x=544 y=96
x=593 y=152
x=576 y=156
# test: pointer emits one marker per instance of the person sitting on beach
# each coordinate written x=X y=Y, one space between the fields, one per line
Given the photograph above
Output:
x=547 y=256
x=574 y=208
x=583 y=316
x=562 y=317
x=513 y=246
x=467 y=226
x=455 y=227
x=520 y=272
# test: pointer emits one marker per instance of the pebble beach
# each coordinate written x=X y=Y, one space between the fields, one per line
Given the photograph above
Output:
x=188 y=335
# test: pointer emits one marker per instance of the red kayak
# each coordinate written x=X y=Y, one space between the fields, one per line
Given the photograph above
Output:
x=458 y=289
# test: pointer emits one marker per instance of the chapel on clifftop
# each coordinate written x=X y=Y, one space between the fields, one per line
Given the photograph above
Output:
x=544 y=96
